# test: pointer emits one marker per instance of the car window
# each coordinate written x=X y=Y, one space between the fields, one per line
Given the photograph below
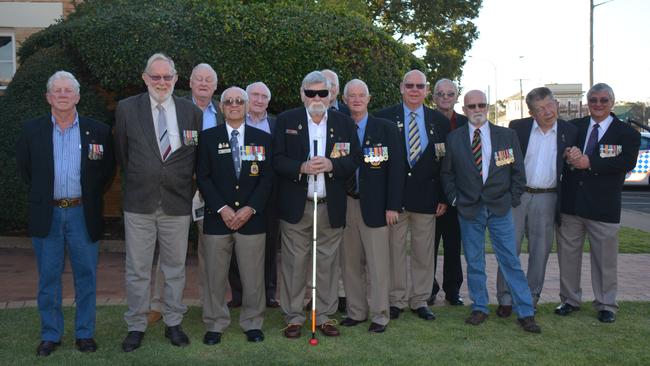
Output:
x=645 y=143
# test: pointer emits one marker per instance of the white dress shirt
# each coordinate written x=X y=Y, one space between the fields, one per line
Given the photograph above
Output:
x=317 y=132
x=172 y=123
x=540 y=160
x=486 y=146
x=604 y=125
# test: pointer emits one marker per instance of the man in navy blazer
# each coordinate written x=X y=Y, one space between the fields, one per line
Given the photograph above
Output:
x=422 y=139
x=591 y=203
x=543 y=139
x=67 y=161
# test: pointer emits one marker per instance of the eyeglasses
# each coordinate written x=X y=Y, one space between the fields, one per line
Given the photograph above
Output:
x=448 y=95
x=474 y=106
x=158 y=77
x=411 y=86
x=596 y=100
x=313 y=93
x=233 y=101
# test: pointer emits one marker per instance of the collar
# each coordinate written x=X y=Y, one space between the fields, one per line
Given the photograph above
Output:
x=166 y=104
x=311 y=121
x=536 y=127
x=240 y=129
x=419 y=111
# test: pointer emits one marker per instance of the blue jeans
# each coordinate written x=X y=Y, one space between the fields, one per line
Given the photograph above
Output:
x=502 y=235
x=69 y=232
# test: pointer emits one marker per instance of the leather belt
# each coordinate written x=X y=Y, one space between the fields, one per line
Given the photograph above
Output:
x=354 y=195
x=67 y=202
x=541 y=190
x=318 y=200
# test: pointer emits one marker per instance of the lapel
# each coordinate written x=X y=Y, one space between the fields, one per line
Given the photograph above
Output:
x=371 y=134
x=146 y=124
x=303 y=131
x=612 y=131
x=46 y=131
x=181 y=121
x=223 y=137
x=561 y=145
x=467 y=147
x=85 y=139
x=330 y=134
x=525 y=138
x=495 y=142
x=583 y=126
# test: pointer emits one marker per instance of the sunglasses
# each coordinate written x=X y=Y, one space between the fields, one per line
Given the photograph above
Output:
x=313 y=93
x=596 y=100
x=158 y=77
x=448 y=95
x=233 y=101
x=474 y=106
x=411 y=86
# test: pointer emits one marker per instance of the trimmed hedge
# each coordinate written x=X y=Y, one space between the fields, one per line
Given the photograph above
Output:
x=106 y=44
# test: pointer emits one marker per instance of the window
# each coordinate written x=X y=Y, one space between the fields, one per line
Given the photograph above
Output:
x=7 y=59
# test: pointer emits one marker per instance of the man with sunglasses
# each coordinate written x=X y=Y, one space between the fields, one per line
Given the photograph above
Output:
x=234 y=175
x=591 y=203
x=445 y=96
x=422 y=139
x=156 y=135
x=316 y=149
x=484 y=178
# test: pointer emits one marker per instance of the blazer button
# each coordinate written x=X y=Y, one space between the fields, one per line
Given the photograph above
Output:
x=236 y=187
x=409 y=174
x=237 y=203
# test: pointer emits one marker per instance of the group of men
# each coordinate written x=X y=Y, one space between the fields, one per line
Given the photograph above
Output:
x=369 y=179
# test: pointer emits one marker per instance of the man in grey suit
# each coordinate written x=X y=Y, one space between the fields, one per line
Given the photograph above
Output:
x=155 y=140
x=483 y=176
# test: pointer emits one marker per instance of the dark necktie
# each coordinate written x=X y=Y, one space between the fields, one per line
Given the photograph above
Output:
x=163 y=134
x=592 y=141
x=476 y=151
x=234 y=146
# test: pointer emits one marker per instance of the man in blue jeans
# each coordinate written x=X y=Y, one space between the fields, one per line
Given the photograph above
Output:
x=483 y=175
x=67 y=162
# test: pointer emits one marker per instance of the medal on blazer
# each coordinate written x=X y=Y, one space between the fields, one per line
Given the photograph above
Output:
x=223 y=148
x=440 y=150
x=255 y=169
x=610 y=151
x=504 y=157
x=95 y=151
x=340 y=149
x=190 y=137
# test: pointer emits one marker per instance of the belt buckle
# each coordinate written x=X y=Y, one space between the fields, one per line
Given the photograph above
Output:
x=64 y=203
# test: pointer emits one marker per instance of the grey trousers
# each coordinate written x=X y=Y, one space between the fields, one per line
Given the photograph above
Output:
x=142 y=231
x=365 y=267
x=603 y=240
x=534 y=218
x=416 y=292
x=296 y=253
x=249 y=250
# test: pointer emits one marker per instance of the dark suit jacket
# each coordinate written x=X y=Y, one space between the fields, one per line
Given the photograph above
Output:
x=381 y=186
x=566 y=137
x=35 y=163
x=219 y=185
x=291 y=148
x=343 y=108
x=148 y=180
x=595 y=193
x=463 y=184
x=422 y=184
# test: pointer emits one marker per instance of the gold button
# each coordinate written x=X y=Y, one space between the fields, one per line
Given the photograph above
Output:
x=236 y=203
x=409 y=174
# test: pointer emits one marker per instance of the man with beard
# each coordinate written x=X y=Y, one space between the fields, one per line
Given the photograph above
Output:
x=155 y=140
x=316 y=149
x=483 y=176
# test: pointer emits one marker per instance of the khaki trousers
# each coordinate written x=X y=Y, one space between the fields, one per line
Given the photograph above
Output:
x=416 y=292
x=296 y=253
x=603 y=240
x=249 y=250
x=366 y=265
x=142 y=231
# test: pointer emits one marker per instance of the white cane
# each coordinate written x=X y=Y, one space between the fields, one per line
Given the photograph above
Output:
x=313 y=341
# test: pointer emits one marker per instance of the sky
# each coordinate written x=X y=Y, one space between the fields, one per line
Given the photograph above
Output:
x=547 y=41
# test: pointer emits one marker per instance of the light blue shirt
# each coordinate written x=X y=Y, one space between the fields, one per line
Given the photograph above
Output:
x=67 y=160
x=361 y=131
x=419 y=119
x=209 y=116
x=263 y=124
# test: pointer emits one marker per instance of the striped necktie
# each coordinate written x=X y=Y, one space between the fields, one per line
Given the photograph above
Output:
x=163 y=135
x=414 y=140
x=234 y=146
x=476 y=151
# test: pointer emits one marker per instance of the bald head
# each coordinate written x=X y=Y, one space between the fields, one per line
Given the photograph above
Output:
x=475 y=107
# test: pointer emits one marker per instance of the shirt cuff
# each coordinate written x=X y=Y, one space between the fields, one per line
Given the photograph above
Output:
x=222 y=207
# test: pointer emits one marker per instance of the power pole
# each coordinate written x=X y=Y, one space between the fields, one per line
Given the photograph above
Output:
x=591 y=39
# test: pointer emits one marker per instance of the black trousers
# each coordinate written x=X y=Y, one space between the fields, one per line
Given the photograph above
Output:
x=448 y=229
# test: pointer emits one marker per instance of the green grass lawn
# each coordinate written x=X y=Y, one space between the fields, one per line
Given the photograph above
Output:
x=578 y=339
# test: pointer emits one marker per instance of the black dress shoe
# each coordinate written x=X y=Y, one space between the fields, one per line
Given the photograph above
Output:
x=529 y=325
x=86 y=345
x=394 y=312
x=132 y=341
x=272 y=303
x=211 y=338
x=504 y=311
x=176 y=336
x=46 y=347
x=342 y=305
x=234 y=304
x=431 y=300
x=424 y=313
x=254 y=335
x=455 y=300
x=376 y=328
x=349 y=322
x=566 y=309
x=606 y=316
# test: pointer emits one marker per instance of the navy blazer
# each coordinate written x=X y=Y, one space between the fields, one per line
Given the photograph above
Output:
x=291 y=148
x=219 y=185
x=35 y=163
x=595 y=193
x=381 y=185
x=422 y=183
x=566 y=137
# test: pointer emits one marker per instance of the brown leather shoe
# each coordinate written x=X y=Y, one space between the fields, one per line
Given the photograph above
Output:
x=153 y=317
x=476 y=318
x=504 y=311
x=292 y=330
x=329 y=329
x=529 y=325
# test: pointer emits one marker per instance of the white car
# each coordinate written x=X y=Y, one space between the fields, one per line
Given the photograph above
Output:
x=639 y=176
